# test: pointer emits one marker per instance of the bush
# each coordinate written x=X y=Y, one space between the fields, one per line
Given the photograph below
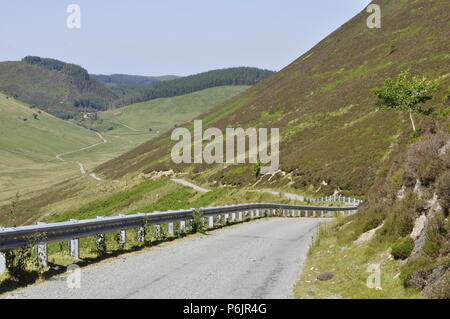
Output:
x=435 y=235
x=198 y=223
x=409 y=274
x=424 y=160
x=17 y=261
x=443 y=191
x=402 y=248
x=441 y=290
x=409 y=179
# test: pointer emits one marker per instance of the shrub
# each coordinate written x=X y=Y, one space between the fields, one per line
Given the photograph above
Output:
x=424 y=160
x=409 y=179
x=198 y=223
x=435 y=235
x=409 y=274
x=17 y=261
x=402 y=248
x=430 y=171
x=443 y=191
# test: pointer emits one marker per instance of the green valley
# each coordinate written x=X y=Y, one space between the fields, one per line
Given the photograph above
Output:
x=364 y=114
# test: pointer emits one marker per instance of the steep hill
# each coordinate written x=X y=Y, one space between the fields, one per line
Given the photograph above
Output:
x=332 y=138
x=197 y=82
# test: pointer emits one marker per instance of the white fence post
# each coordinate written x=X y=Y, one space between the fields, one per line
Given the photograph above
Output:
x=211 y=221
x=233 y=217
x=123 y=238
x=158 y=231
x=75 y=248
x=240 y=216
x=42 y=254
x=141 y=234
x=170 y=229
x=2 y=263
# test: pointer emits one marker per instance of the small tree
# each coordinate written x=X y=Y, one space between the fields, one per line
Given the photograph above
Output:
x=404 y=93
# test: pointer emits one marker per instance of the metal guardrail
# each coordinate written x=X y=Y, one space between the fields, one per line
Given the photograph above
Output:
x=335 y=198
x=74 y=229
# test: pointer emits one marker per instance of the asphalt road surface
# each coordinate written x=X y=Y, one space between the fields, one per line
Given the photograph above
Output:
x=260 y=259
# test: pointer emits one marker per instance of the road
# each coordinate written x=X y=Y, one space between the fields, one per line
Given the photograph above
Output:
x=82 y=168
x=261 y=259
x=186 y=183
x=287 y=195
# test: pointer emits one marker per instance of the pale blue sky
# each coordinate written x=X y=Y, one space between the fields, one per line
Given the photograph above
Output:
x=182 y=37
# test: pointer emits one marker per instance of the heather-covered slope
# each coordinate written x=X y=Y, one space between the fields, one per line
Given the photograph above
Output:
x=331 y=136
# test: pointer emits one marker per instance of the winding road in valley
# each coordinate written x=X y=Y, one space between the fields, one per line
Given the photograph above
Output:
x=259 y=259
x=82 y=168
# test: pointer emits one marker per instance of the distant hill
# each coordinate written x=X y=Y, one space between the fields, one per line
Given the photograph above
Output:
x=60 y=88
x=123 y=84
x=67 y=90
x=162 y=114
x=197 y=82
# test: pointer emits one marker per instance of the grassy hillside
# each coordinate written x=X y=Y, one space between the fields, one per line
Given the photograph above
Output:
x=29 y=141
x=54 y=86
x=34 y=143
x=332 y=136
x=197 y=82
x=162 y=114
x=30 y=130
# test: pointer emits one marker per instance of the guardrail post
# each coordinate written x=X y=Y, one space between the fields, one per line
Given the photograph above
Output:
x=170 y=228
x=141 y=234
x=123 y=238
x=225 y=218
x=101 y=243
x=42 y=251
x=211 y=221
x=75 y=248
x=233 y=217
x=314 y=213
x=257 y=212
x=240 y=216
x=330 y=213
x=251 y=214
x=158 y=231
x=42 y=254
x=2 y=263
x=183 y=226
